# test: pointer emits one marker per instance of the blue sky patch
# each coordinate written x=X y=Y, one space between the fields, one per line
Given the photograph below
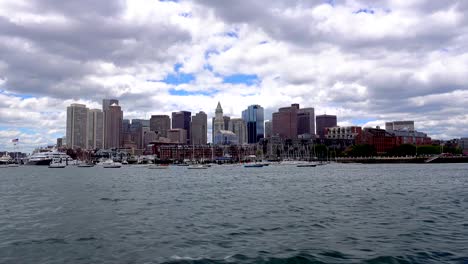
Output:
x=232 y=34
x=362 y=121
x=248 y=79
x=176 y=92
x=179 y=78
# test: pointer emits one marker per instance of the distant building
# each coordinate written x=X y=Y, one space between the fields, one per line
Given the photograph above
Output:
x=285 y=122
x=411 y=137
x=464 y=145
x=218 y=121
x=399 y=125
x=77 y=122
x=60 y=142
x=182 y=120
x=268 y=129
x=382 y=140
x=224 y=137
x=199 y=128
x=113 y=126
x=238 y=127
x=160 y=124
x=323 y=122
x=148 y=137
x=177 y=135
x=254 y=119
x=349 y=132
x=226 y=119
x=306 y=122
x=95 y=129
x=106 y=103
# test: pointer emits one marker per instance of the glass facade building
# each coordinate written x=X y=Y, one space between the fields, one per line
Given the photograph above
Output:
x=254 y=119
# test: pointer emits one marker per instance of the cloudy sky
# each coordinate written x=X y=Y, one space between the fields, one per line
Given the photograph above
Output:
x=367 y=61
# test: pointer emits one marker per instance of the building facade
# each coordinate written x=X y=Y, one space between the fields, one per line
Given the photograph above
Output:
x=160 y=124
x=382 y=140
x=399 y=126
x=323 y=122
x=199 y=129
x=349 y=132
x=177 y=136
x=106 y=103
x=77 y=126
x=255 y=122
x=225 y=137
x=238 y=127
x=95 y=129
x=113 y=126
x=306 y=122
x=268 y=129
x=182 y=120
x=285 y=122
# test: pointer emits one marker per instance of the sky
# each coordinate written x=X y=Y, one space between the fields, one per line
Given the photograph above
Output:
x=367 y=61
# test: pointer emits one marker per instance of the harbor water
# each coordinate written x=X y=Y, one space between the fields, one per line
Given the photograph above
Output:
x=337 y=213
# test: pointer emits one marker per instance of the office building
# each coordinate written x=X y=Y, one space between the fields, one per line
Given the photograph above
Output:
x=284 y=124
x=95 y=129
x=399 y=126
x=306 y=122
x=199 y=129
x=323 y=122
x=349 y=132
x=268 y=129
x=254 y=120
x=106 y=103
x=238 y=127
x=224 y=137
x=77 y=123
x=113 y=126
x=177 y=135
x=181 y=120
x=160 y=124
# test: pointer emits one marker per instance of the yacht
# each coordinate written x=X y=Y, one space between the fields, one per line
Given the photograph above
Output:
x=110 y=164
x=57 y=163
x=45 y=158
x=5 y=159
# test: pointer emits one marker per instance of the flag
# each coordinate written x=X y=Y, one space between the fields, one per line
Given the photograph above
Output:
x=16 y=140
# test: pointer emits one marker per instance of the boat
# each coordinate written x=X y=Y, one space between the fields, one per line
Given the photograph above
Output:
x=110 y=164
x=306 y=165
x=5 y=159
x=57 y=163
x=85 y=165
x=197 y=167
x=45 y=158
x=158 y=166
x=253 y=166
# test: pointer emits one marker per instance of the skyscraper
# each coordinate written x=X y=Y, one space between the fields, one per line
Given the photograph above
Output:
x=95 y=129
x=160 y=124
x=77 y=122
x=181 y=120
x=323 y=122
x=226 y=119
x=284 y=122
x=218 y=121
x=268 y=129
x=113 y=126
x=199 y=129
x=238 y=127
x=106 y=103
x=306 y=122
x=254 y=119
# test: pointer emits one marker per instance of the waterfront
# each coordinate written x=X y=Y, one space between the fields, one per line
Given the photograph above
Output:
x=338 y=213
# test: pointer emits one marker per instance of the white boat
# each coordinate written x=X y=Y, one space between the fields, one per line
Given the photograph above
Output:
x=45 y=158
x=110 y=164
x=85 y=165
x=5 y=159
x=57 y=164
x=198 y=167
x=158 y=166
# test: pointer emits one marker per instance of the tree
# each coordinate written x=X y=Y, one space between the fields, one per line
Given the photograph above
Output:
x=364 y=150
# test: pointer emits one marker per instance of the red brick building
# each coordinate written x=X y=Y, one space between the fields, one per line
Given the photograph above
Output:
x=382 y=140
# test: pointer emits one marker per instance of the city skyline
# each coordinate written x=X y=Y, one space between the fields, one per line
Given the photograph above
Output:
x=368 y=63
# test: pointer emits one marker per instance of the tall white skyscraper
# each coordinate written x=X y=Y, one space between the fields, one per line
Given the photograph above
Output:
x=77 y=124
x=218 y=121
